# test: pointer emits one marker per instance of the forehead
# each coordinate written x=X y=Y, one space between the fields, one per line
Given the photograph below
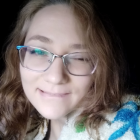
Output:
x=56 y=21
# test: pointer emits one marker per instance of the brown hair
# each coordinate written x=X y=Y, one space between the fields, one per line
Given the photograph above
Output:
x=106 y=91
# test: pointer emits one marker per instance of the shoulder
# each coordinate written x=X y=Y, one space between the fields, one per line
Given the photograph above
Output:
x=124 y=123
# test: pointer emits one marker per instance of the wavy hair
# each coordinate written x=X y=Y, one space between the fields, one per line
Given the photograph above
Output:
x=107 y=88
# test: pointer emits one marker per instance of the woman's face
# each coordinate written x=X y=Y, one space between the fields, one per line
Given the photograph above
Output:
x=55 y=93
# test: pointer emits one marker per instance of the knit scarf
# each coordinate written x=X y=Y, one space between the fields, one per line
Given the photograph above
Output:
x=123 y=124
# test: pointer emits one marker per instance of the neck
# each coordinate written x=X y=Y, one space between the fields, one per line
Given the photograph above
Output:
x=56 y=127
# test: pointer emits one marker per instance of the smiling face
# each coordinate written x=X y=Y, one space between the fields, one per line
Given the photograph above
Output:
x=55 y=93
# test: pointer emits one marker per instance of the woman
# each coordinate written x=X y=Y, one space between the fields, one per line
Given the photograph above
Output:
x=63 y=77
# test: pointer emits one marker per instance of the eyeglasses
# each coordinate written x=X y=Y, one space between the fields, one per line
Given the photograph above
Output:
x=37 y=59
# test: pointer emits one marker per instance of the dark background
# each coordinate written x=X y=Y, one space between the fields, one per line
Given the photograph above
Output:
x=123 y=16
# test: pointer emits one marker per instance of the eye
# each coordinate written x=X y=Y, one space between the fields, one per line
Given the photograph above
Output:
x=82 y=59
x=38 y=52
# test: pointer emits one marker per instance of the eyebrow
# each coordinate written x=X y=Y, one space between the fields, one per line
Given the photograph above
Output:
x=41 y=38
x=48 y=40
x=78 y=46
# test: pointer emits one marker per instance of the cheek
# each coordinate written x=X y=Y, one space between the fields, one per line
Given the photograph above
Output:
x=82 y=84
x=28 y=77
x=25 y=75
x=29 y=80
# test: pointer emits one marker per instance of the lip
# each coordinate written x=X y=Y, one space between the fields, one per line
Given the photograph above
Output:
x=52 y=95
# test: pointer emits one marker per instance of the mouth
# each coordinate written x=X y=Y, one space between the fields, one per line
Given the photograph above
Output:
x=53 y=95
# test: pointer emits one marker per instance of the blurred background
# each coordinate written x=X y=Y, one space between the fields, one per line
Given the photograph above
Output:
x=123 y=17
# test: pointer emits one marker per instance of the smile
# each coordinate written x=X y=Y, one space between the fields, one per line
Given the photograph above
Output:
x=53 y=95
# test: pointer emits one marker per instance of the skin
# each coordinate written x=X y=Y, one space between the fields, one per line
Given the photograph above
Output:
x=63 y=35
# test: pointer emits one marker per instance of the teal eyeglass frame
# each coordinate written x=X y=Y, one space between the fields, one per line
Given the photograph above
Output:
x=53 y=57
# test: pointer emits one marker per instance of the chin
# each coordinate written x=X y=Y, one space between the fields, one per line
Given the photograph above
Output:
x=52 y=115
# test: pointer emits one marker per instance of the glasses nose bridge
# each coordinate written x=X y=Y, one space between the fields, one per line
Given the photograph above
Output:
x=58 y=56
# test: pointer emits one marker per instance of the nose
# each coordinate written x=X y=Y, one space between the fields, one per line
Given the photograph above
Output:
x=56 y=74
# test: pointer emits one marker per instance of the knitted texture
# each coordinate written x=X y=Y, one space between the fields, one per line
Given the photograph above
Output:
x=123 y=125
